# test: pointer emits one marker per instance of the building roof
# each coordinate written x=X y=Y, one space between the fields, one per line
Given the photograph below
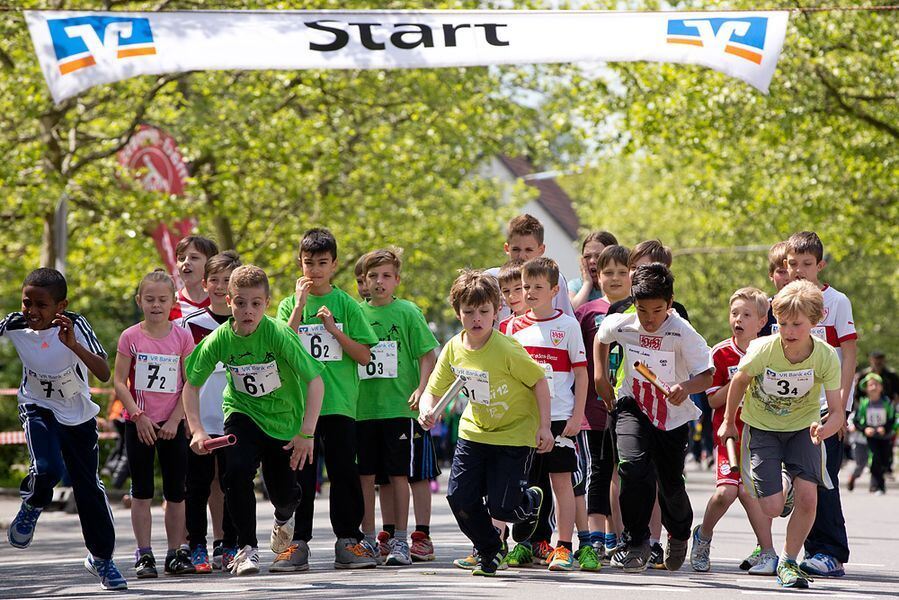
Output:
x=552 y=197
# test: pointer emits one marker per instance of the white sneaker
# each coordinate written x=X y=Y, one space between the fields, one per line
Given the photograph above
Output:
x=766 y=565
x=399 y=553
x=246 y=562
x=282 y=536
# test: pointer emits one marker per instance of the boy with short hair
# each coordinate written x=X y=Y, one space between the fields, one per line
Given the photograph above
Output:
x=507 y=415
x=512 y=290
x=747 y=314
x=524 y=241
x=553 y=340
x=779 y=276
x=271 y=404
x=204 y=472
x=596 y=438
x=191 y=255
x=827 y=545
x=779 y=382
x=57 y=349
x=359 y=274
x=876 y=418
x=651 y=425
x=334 y=331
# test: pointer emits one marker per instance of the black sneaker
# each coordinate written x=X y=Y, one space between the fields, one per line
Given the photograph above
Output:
x=637 y=558
x=487 y=567
x=177 y=562
x=677 y=553
x=657 y=557
x=525 y=529
x=145 y=567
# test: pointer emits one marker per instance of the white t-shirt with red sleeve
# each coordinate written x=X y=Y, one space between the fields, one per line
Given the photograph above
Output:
x=555 y=343
x=184 y=306
x=674 y=352
x=157 y=375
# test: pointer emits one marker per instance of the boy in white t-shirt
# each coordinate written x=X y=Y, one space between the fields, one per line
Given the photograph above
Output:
x=651 y=426
x=553 y=339
x=58 y=349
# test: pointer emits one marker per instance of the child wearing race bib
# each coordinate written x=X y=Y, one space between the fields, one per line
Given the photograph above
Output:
x=779 y=381
x=204 y=471
x=191 y=254
x=779 y=276
x=595 y=439
x=875 y=418
x=389 y=438
x=271 y=404
x=827 y=545
x=507 y=415
x=148 y=380
x=748 y=313
x=651 y=425
x=58 y=349
x=553 y=340
x=334 y=331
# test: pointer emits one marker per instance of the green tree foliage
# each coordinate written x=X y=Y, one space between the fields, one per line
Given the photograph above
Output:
x=703 y=161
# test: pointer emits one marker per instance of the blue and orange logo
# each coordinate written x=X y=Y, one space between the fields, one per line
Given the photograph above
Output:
x=743 y=36
x=80 y=42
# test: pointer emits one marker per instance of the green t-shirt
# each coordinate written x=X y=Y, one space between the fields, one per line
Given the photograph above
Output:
x=340 y=376
x=267 y=373
x=393 y=374
x=502 y=408
x=785 y=396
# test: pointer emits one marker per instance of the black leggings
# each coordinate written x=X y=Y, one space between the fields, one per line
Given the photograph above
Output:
x=200 y=479
x=172 y=463
x=601 y=453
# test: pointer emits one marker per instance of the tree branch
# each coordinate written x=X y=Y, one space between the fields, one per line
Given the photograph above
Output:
x=853 y=109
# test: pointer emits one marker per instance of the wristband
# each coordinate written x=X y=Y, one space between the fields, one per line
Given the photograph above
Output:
x=306 y=436
x=133 y=417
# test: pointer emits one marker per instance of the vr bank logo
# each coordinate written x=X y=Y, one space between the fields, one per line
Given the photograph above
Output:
x=81 y=42
x=743 y=37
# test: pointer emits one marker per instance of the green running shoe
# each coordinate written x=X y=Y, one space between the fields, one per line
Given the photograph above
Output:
x=587 y=559
x=520 y=556
x=789 y=575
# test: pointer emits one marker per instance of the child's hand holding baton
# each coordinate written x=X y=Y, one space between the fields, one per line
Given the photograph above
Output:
x=428 y=418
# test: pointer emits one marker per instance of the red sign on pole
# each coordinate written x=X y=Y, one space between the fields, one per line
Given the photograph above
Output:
x=154 y=154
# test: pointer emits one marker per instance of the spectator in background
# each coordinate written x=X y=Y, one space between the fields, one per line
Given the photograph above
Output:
x=877 y=365
x=586 y=287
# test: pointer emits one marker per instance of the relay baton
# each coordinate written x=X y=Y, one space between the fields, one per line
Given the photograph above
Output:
x=732 y=454
x=220 y=442
x=647 y=373
x=450 y=395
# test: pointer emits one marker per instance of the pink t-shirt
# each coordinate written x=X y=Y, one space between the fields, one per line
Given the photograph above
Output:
x=156 y=376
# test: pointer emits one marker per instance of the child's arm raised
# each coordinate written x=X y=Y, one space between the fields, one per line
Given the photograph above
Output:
x=545 y=439
x=146 y=429
x=361 y=353
x=96 y=363
x=736 y=389
x=303 y=285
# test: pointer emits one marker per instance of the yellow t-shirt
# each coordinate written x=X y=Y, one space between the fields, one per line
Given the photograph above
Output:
x=784 y=396
x=502 y=407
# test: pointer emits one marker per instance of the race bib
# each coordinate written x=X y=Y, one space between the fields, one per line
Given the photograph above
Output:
x=320 y=344
x=877 y=417
x=49 y=387
x=383 y=363
x=548 y=369
x=156 y=372
x=819 y=332
x=477 y=388
x=788 y=384
x=255 y=380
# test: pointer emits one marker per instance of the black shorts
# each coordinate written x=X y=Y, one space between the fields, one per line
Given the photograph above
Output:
x=424 y=465
x=581 y=476
x=172 y=464
x=563 y=457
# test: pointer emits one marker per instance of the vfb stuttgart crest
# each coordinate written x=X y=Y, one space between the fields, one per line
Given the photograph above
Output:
x=557 y=336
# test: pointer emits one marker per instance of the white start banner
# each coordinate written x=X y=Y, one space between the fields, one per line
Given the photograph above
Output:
x=78 y=50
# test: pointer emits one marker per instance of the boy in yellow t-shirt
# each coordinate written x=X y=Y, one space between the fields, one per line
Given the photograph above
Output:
x=779 y=381
x=507 y=416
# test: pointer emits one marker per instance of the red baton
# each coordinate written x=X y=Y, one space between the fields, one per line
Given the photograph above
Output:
x=220 y=442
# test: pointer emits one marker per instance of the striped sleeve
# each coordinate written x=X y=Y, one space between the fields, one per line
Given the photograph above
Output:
x=4 y=323
x=85 y=335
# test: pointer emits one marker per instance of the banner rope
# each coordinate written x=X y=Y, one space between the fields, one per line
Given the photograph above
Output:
x=794 y=9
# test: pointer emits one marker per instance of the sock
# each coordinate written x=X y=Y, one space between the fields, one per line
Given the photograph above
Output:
x=142 y=550
x=769 y=551
x=400 y=534
x=425 y=529
x=784 y=556
x=584 y=539
x=653 y=541
x=390 y=529
x=370 y=539
x=565 y=544
x=279 y=522
x=597 y=538
x=611 y=540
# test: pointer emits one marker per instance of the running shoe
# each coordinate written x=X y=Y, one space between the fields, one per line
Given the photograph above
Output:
x=21 y=530
x=823 y=565
x=200 y=559
x=107 y=572
x=422 y=548
x=699 y=554
x=561 y=559
x=789 y=575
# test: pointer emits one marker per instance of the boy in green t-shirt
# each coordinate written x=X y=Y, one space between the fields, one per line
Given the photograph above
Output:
x=271 y=404
x=779 y=381
x=394 y=444
x=507 y=416
x=334 y=331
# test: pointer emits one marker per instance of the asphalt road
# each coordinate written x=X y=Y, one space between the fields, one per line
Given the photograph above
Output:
x=51 y=567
